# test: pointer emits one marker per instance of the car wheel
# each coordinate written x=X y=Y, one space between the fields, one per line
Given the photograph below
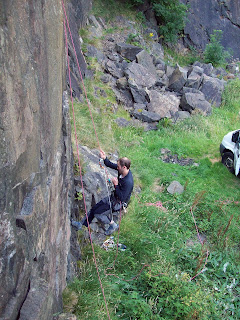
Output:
x=228 y=160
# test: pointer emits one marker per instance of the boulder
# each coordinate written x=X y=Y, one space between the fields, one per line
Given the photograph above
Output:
x=146 y=116
x=219 y=72
x=146 y=61
x=122 y=83
x=139 y=76
x=114 y=56
x=178 y=79
x=127 y=51
x=175 y=187
x=139 y=95
x=124 y=97
x=181 y=115
x=191 y=101
x=95 y=53
x=212 y=88
x=114 y=69
x=169 y=70
x=165 y=104
x=207 y=67
x=93 y=21
x=157 y=50
x=163 y=81
x=195 y=76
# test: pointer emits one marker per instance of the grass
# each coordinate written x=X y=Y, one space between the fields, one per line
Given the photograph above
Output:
x=161 y=238
x=114 y=9
x=166 y=240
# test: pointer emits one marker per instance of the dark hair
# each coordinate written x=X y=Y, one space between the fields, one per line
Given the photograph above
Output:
x=124 y=162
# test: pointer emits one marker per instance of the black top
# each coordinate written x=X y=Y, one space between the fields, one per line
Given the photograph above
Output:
x=125 y=185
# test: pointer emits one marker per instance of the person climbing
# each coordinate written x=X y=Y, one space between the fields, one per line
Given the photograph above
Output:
x=123 y=186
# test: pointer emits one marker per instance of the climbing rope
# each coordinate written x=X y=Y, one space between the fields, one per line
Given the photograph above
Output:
x=79 y=69
x=80 y=169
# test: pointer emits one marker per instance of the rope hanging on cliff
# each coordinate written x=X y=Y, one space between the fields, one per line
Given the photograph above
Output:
x=79 y=69
x=79 y=162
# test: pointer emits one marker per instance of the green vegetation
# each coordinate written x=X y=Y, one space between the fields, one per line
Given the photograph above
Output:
x=151 y=279
x=171 y=15
x=165 y=240
x=214 y=52
x=172 y=57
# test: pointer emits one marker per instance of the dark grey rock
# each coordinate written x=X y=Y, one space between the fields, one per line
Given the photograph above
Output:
x=95 y=53
x=139 y=95
x=124 y=97
x=207 y=67
x=105 y=78
x=212 y=88
x=165 y=104
x=114 y=69
x=127 y=51
x=139 y=76
x=146 y=61
x=175 y=187
x=122 y=83
x=181 y=115
x=194 y=77
x=178 y=79
x=146 y=116
x=192 y=101
x=205 y=16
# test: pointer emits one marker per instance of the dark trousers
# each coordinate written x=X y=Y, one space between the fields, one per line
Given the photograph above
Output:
x=101 y=207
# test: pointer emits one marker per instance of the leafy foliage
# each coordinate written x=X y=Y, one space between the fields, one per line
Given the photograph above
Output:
x=172 y=15
x=214 y=52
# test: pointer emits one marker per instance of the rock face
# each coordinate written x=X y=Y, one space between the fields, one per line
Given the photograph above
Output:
x=206 y=16
x=35 y=161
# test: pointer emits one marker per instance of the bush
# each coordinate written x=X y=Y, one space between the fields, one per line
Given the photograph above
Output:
x=172 y=15
x=214 y=52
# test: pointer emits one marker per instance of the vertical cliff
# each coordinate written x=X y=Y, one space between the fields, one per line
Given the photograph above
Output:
x=206 y=16
x=35 y=159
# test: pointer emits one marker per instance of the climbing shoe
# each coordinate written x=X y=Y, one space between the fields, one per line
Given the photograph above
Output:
x=113 y=227
x=76 y=224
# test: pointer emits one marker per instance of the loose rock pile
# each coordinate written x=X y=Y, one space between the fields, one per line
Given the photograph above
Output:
x=145 y=85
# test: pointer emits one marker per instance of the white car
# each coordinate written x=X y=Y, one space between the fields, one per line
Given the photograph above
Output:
x=229 y=149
